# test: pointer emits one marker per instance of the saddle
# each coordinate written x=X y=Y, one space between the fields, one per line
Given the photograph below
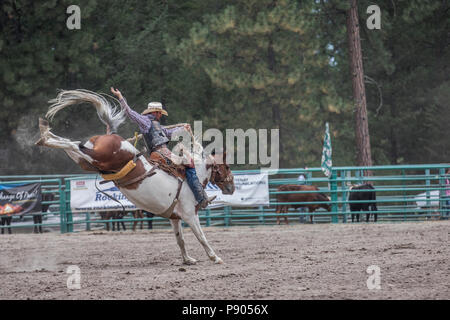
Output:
x=165 y=164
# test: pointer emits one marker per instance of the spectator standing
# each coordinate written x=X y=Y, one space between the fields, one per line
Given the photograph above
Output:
x=302 y=180
x=447 y=195
x=150 y=222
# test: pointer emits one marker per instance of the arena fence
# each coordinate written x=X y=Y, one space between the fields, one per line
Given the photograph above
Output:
x=403 y=193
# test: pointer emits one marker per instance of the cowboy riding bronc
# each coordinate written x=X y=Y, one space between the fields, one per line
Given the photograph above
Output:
x=156 y=137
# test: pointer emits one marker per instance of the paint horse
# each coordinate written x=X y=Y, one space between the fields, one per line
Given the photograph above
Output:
x=138 y=178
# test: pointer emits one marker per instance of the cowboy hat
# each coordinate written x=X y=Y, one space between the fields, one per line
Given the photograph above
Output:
x=155 y=107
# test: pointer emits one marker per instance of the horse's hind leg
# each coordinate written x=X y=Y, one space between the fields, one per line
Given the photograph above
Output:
x=176 y=225
x=192 y=220
x=311 y=217
x=72 y=149
x=286 y=210
x=141 y=216
x=278 y=211
x=134 y=222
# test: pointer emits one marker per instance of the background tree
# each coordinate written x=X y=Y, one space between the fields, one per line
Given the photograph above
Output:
x=234 y=64
x=270 y=58
x=363 y=151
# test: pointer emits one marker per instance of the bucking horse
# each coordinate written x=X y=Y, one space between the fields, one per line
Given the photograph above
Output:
x=141 y=180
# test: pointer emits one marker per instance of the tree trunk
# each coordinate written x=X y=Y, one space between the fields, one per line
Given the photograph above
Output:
x=276 y=113
x=364 y=157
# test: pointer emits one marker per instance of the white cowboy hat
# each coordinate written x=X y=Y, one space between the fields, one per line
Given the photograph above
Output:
x=155 y=107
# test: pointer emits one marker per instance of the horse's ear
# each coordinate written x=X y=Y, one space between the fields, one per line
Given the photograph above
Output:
x=224 y=157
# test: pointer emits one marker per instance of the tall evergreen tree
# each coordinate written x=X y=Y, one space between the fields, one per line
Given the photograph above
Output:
x=38 y=55
x=270 y=56
x=364 y=156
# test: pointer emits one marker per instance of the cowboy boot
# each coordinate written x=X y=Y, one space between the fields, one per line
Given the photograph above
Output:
x=199 y=193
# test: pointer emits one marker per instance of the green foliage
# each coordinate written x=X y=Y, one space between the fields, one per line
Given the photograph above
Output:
x=271 y=57
x=233 y=64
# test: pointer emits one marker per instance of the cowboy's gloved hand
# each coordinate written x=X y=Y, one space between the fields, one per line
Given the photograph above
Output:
x=117 y=93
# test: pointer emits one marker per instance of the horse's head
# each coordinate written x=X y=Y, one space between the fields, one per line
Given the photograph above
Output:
x=110 y=153
x=221 y=174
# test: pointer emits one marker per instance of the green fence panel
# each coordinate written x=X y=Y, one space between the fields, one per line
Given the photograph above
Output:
x=397 y=189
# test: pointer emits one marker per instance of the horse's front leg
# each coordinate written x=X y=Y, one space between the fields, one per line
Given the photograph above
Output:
x=311 y=217
x=193 y=221
x=177 y=229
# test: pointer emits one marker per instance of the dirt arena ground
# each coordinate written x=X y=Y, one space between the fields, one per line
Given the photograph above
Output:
x=321 y=261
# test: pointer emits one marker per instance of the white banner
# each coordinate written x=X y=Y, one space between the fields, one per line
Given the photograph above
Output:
x=251 y=190
x=84 y=197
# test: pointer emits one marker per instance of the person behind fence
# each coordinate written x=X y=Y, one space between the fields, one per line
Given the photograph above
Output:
x=302 y=181
x=447 y=195
x=157 y=137
x=150 y=221
x=6 y=220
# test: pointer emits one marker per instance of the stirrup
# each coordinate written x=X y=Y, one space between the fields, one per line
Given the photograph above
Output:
x=205 y=202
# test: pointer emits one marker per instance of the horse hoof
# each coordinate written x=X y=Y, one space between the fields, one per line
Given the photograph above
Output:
x=40 y=142
x=217 y=260
x=190 y=261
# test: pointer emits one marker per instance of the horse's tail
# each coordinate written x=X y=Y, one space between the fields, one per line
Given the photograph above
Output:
x=107 y=113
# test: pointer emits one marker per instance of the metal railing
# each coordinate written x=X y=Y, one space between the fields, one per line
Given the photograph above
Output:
x=398 y=189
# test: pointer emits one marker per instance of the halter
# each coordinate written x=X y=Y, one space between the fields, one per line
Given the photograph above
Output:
x=215 y=171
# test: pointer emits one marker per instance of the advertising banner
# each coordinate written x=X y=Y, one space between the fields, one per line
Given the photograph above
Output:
x=84 y=197
x=19 y=199
x=251 y=190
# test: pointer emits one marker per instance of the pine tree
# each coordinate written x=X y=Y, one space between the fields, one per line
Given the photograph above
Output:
x=272 y=60
x=364 y=157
